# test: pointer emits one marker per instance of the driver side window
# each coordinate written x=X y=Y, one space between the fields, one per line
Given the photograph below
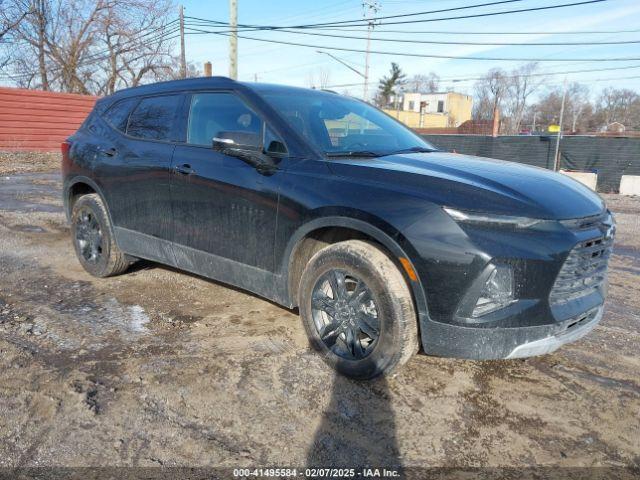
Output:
x=352 y=129
x=212 y=113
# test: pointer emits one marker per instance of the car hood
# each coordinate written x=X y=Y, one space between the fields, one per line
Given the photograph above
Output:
x=475 y=183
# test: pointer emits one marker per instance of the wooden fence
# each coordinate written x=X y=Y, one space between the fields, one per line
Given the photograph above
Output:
x=32 y=120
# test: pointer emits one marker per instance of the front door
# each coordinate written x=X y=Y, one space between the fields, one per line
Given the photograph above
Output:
x=224 y=209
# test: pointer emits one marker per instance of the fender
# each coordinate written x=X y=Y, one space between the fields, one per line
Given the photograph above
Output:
x=68 y=183
x=366 y=228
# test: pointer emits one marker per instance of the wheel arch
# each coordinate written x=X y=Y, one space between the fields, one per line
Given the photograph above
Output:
x=313 y=235
x=75 y=188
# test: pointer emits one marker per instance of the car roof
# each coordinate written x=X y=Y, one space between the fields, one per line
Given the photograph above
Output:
x=176 y=85
x=203 y=83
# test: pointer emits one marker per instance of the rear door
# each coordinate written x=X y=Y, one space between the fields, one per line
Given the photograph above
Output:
x=224 y=209
x=138 y=184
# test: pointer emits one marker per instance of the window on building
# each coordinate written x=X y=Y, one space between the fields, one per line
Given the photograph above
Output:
x=412 y=105
x=153 y=117
x=440 y=106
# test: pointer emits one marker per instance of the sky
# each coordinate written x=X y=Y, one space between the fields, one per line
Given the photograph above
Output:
x=294 y=65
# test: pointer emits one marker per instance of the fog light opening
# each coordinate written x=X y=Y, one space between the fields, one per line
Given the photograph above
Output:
x=497 y=292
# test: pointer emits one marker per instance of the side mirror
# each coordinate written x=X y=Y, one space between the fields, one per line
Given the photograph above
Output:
x=240 y=141
x=276 y=149
x=246 y=147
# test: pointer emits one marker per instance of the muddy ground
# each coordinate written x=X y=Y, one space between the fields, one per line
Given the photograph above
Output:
x=158 y=367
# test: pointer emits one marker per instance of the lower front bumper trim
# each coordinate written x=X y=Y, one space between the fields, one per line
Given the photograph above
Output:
x=445 y=340
x=552 y=343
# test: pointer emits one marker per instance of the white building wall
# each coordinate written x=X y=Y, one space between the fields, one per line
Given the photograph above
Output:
x=412 y=102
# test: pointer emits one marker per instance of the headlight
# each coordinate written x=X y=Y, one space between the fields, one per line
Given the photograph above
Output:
x=497 y=292
x=488 y=219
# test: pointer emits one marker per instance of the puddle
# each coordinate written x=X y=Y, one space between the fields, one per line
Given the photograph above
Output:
x=128 y=319
x=138 y=318
x=22 y=192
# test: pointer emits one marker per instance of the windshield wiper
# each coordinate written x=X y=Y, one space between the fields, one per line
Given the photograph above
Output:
x=354 y=153
x=414 y=150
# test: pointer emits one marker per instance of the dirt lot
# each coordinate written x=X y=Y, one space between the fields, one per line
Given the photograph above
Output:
x=158 y=367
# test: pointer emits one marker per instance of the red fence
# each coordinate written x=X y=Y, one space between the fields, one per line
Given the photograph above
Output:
x=31 y=120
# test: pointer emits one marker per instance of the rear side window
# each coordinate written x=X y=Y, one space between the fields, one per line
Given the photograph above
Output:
x=212 y=113
x=118 y=114
x=153 y=117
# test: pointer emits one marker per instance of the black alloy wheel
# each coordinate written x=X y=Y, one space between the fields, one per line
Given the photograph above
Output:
x=345 y=314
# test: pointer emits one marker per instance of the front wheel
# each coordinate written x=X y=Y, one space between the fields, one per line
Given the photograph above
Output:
x=357 y=310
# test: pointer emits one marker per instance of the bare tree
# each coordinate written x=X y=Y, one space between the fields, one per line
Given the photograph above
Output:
x=490 y=92
x=311 y=79
x=324 y=77
x=578 y=108
x=577 y=105
x=619 y=105
x=81 y=46
x=521 y=84
x=12 y=14
x=136 y=36
x=320 y=78
x=424 y=83
x=547 y=108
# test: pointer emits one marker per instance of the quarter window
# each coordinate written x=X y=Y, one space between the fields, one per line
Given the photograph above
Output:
x=118 y=114
x=153 y=117
x=212 y=113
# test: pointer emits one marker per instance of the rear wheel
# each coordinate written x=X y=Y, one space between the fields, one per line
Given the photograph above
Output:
x=357 y=309
x=93 y=238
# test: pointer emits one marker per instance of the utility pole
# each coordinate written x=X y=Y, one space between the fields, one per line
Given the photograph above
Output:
x=369 y=9
x=556 y=163
x=233 y=39
x=183 y=58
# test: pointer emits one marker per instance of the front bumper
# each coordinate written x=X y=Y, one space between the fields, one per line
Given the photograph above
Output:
x=475 y=343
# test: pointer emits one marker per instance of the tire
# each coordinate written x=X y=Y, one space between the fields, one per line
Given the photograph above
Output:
x=349 y=320
x=93 y=239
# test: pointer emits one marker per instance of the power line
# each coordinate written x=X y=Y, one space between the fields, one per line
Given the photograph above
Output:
x=376 y=19
x=345 y=85
x=458 y=32
x=415 y=14
x=438 y=42
x=419 y=55
x=337 y=24
x=544 y=74
x=218 y=24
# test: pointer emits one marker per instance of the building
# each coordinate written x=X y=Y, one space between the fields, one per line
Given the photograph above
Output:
x=454 y=108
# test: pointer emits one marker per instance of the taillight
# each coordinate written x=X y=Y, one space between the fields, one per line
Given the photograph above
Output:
x=64 y=148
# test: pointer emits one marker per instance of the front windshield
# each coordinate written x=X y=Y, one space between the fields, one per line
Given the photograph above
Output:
x=339 y=125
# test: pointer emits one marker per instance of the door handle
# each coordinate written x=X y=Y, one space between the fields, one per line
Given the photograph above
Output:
x=109 y=152
x=184 y=169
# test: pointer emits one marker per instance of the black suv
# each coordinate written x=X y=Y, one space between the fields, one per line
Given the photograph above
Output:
x=322 y=202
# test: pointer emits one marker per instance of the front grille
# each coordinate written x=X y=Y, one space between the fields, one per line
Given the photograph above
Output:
x=585 y=269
